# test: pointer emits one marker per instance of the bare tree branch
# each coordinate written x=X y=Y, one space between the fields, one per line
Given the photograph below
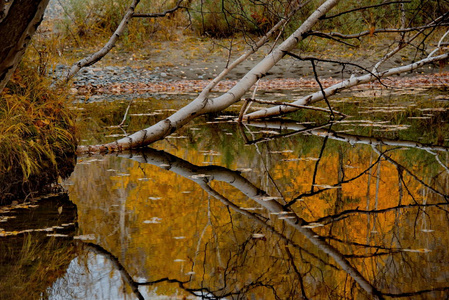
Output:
x=358 y=35
x=161 y=14
x=334 y=89
x=344 y=137
x=93 y=58
x=202 y=104
x=363 y=8
x=297 y=106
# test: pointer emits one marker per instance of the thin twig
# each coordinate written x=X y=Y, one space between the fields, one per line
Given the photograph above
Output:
x=126 y=114
x=362 y=8
x=161 y=14
x=321 y=88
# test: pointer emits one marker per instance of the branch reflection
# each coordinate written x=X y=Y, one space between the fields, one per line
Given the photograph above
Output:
x=205 y=175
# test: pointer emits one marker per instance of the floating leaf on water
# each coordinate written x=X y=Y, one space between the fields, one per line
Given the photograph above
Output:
x=327 y=186
x=419 y=118
x=57 y=235
x=309 y=158
x=441 y=109
x=153 y=220
x=287 y=217
x=285 y=212
x=211 y=152
x=313 y=225
x=258 y=235
x=224 y=117
x=281 y=213
x=417 y=250
x=370 y=111
x=84 y=237
x=199 y=176
x=5 y=218
x=115 y=135
x=250 y=208
x=281 y=151
x=123 y=174
x=268 y=198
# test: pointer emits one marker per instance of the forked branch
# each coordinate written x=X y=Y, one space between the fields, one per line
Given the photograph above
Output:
x=97 y=56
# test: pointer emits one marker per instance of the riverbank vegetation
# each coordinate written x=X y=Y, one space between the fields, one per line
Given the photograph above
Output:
x=37 y=134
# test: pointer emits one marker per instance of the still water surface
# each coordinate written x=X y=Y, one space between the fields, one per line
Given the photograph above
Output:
x=356 y=209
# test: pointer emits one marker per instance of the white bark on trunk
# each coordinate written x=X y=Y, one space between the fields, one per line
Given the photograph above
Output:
x=344 y=137
x=332 y=90
x=203 y=104
x=90 y=60
x=204 y=175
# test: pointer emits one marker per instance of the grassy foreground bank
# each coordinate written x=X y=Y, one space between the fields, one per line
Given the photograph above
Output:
x=37 y=135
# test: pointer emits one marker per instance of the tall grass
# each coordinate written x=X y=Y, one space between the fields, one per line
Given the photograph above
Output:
x=36 y=128
x=89 y=22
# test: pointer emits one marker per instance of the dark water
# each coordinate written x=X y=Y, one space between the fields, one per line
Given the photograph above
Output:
x=356 y=209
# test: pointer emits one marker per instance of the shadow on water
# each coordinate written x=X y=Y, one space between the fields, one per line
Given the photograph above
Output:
x=270 y=210
x=36 y=246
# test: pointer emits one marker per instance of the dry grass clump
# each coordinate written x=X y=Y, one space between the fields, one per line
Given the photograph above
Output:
x=86 y=23
x=36 y=130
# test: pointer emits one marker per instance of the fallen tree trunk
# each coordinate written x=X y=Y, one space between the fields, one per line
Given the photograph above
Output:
x=204 y=175
x=341 y=136
x=202 y=104
x=334 y=89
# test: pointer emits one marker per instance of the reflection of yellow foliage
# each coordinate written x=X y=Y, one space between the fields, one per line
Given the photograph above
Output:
x=162 y=225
